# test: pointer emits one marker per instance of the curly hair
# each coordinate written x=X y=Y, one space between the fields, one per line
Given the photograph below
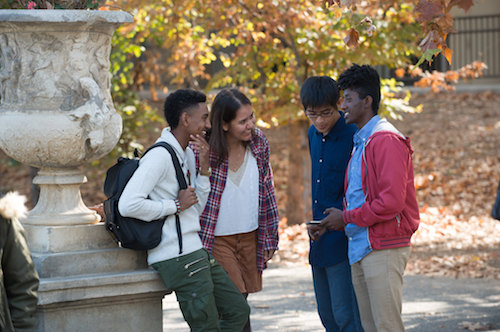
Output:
x=364 y=80
x=179 y=102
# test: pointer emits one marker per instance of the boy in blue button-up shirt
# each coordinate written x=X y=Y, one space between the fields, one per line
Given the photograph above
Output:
x=330 y=144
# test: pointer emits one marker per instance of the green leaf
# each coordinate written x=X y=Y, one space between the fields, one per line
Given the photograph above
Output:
x=427 y=56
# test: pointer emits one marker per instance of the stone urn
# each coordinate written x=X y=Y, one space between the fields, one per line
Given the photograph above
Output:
x=56 y=111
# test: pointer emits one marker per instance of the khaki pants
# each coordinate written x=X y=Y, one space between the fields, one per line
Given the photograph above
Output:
x=378 y=284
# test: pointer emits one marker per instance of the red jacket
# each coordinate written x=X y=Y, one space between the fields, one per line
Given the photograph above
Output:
x=390 y=210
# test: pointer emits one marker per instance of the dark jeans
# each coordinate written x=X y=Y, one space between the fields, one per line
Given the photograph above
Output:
x=337 y=305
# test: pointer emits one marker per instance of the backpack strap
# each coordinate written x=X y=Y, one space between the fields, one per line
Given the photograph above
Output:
x=178 y=170
x=180 y=179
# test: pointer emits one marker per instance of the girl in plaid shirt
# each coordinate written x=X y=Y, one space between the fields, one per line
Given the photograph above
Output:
x=240 y=222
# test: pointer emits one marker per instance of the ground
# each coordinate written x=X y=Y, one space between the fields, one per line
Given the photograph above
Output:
x=456 y=140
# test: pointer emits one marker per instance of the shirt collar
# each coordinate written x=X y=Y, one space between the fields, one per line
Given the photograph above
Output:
x=167 y=136
x=362 y=134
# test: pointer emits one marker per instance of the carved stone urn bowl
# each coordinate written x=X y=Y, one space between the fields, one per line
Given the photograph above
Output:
x=56 y=111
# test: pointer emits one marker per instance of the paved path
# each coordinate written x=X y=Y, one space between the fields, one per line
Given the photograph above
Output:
x=430 y=304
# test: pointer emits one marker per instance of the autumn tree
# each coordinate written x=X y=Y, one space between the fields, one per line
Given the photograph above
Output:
x=434 y=16
x=268 y=48
x=436 y=21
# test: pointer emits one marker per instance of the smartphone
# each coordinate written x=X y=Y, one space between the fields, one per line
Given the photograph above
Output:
x=313 y=222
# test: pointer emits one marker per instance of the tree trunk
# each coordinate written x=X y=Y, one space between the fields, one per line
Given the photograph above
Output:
x=298 y=209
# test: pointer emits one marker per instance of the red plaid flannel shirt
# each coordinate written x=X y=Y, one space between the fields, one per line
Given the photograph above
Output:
x=268 y=210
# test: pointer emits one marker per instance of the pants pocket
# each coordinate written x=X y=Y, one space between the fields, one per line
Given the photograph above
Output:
x=195 y=309
x=199 y=311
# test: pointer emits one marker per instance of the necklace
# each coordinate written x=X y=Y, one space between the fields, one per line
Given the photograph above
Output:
x=236 y=158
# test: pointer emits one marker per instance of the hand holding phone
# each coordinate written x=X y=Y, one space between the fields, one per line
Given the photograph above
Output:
x=313 y=222
x=314 y=229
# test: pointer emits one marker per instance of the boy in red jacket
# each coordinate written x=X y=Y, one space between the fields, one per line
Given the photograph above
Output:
x=381 y=210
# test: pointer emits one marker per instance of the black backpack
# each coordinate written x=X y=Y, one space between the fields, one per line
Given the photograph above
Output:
x=134 y=233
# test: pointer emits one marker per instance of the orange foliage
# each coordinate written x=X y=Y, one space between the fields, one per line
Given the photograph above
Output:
x=400 y=72
x=452 y=76
x=439 y=81
x=433 y=15
x=352 y=38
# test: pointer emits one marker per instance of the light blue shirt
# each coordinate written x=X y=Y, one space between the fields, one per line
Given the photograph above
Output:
x=359 y=243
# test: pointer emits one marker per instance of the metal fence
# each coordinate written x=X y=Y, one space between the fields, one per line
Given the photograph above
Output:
x=476 y=38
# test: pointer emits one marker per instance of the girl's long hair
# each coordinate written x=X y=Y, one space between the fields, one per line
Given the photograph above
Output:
x=224 y=108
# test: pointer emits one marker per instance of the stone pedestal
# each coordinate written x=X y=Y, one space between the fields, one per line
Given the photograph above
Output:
x=56 y=114
x=87 y=283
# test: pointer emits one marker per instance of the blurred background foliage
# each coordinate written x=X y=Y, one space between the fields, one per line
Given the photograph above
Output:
x=266 y=48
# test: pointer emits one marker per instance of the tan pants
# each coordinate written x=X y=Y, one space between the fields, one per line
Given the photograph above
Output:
x=378 y=284
x=238 y=256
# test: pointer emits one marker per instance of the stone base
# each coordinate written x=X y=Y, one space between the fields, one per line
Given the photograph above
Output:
x=114 y=302
x=88 y=283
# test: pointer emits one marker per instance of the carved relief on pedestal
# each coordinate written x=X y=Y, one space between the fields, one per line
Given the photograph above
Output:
x=56 y=111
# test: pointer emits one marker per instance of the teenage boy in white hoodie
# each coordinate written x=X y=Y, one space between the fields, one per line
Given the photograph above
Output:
x=207 y=297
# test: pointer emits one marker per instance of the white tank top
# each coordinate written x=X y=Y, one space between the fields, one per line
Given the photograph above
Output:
x=239 y=205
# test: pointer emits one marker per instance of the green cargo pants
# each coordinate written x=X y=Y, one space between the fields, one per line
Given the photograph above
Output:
x=208 y=299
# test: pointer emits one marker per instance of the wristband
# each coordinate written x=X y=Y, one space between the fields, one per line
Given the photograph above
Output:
x=178 y=206
x=207 y=173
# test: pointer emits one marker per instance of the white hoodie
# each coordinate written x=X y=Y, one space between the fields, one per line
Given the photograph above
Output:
x=150 y=195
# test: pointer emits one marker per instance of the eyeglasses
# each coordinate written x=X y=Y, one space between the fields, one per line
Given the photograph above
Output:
x=323 y=114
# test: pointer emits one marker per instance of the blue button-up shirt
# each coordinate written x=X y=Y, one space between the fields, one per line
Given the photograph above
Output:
x=329 y=157
x=359 y=243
